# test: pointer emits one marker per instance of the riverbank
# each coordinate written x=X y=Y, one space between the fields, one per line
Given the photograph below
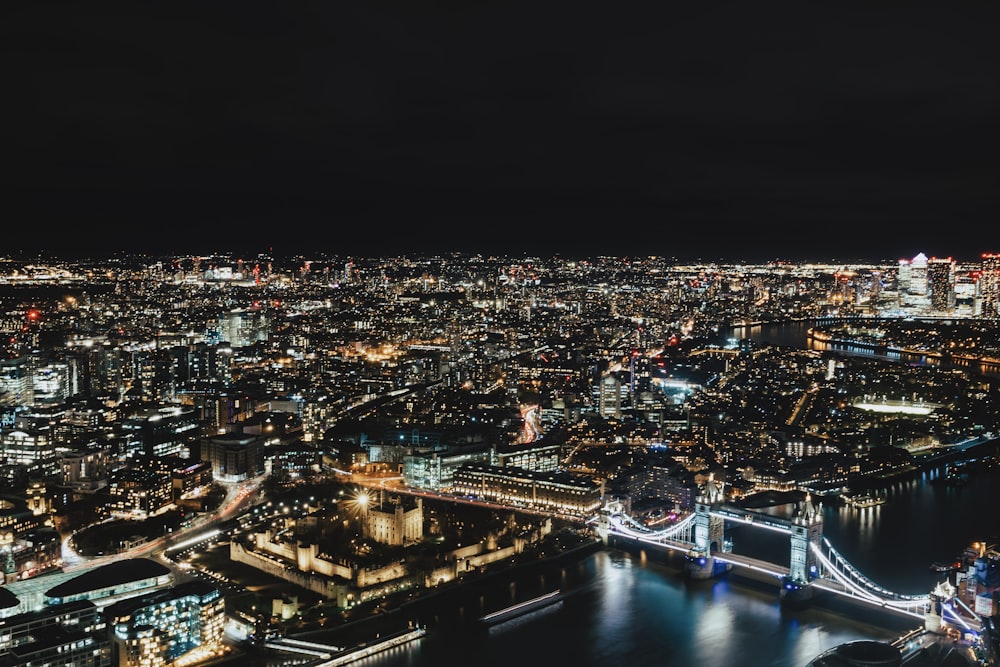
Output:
x=417 y=608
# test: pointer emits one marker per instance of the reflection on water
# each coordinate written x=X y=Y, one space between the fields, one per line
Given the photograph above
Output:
x=640 y=611
x=796 y=334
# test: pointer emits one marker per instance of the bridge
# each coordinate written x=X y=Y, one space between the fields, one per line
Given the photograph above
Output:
x=814 y=563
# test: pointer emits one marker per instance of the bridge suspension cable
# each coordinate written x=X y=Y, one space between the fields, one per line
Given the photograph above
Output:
x=858 y=585
x=682 y=527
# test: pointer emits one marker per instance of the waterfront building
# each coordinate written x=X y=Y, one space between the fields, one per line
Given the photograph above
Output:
x=164 y=627
x=983 y=580
x=668 y=482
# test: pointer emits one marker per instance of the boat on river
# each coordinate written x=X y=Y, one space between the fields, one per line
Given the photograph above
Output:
x=864 y=500
x=939 y=566
x=521 y=608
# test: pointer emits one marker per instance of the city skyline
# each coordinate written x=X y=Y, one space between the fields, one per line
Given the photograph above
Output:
x=232 y=466
x=724 y=131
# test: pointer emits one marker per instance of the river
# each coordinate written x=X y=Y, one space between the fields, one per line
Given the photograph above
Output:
x=639 y=610
x=632 y=610
x=796 y=334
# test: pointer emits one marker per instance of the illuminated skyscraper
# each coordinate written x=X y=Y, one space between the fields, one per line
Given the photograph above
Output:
x=918 y=275
x=610 y=396
x=989 y=285
x=967 y=302
x=913 y=291
x=941 y=283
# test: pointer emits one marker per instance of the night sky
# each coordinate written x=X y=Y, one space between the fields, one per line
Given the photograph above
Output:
x=714 y=130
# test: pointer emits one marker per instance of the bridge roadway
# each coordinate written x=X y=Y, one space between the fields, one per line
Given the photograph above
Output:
x=839 y=577
x=763 y=566
x=771 y=572
x=733 y=513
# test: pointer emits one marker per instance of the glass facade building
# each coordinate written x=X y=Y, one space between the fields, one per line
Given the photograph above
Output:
x=161 y=627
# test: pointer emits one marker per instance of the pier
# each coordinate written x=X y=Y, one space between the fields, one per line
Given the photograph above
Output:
x=332 y=656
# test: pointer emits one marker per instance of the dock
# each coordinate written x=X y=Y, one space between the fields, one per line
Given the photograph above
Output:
x=336 y=657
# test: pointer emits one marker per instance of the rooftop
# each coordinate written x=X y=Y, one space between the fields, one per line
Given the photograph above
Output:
x=118 y=572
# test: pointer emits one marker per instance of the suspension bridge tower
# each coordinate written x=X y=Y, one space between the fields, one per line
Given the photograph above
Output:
x=806 y=539
x=709 y=534
x=603 y=525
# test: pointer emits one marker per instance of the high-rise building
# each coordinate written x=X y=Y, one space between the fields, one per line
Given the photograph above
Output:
x=610 y=396
x=913 y=284
x=918 y=275
x=32 y=449
x=989 y=285
x=16 y=381
x=967 y=302
x=941 y=283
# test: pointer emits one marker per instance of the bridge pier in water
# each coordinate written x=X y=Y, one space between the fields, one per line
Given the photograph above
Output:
x=814 y=564
x=709 y=536
x=806 y=540
x=706 y=559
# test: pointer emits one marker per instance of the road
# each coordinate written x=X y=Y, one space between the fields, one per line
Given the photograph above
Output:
x=239 y=497
x=394 y=485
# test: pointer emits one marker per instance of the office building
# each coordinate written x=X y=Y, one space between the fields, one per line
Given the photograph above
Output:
x=941 y=284
x=235 y=456
x=66 y=634
x=166 y=626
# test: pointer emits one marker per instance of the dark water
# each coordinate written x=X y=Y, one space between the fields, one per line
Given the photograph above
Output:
x=790 y=334
x=639 y=610
x=796 y=334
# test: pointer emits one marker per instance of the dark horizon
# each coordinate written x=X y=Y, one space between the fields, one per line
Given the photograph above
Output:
x=720 y=131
